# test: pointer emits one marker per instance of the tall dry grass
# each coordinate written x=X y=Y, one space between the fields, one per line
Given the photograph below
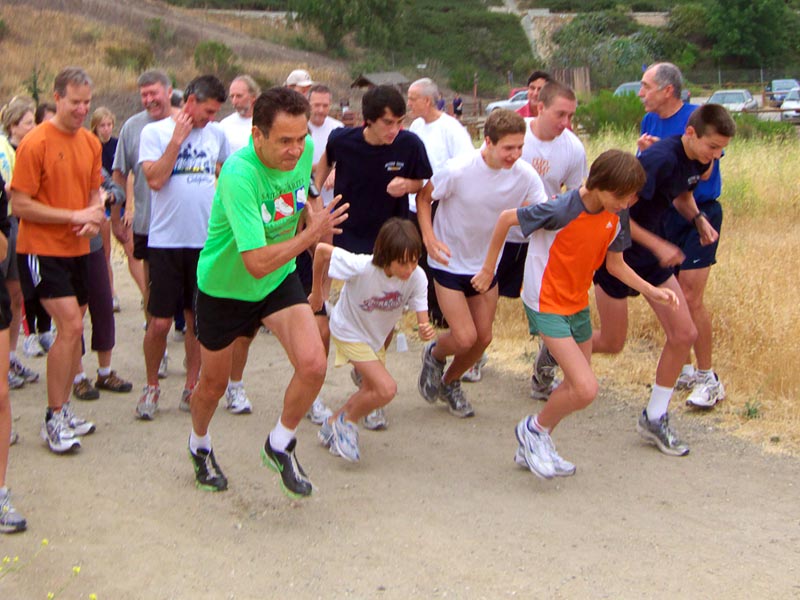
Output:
x=750 y=295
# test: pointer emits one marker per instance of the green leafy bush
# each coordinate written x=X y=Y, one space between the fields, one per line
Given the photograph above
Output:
x=217 y=59
x=136 y=58
x=606 y=111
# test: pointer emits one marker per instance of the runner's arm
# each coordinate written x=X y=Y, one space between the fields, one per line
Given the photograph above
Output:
x=483 y=279
x=321 y=283
x=616 y=265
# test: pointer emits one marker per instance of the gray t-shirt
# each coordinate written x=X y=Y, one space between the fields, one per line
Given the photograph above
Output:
x=126 y=160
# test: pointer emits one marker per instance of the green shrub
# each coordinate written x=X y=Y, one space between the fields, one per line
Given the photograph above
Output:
x=216 y=58
x=137 y=58
x=3 y=30
x=607 y=111
x=750 y=126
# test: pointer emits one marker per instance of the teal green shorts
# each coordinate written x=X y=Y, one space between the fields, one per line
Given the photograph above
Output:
x=577 y=326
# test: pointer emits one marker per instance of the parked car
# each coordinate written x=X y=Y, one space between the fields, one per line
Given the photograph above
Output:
x=513 y=103
x=778 y=88
x=632 y=87
x=791 y=106
x=734 y=100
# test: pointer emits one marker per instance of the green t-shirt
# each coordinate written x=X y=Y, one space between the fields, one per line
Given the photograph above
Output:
x=254 y=206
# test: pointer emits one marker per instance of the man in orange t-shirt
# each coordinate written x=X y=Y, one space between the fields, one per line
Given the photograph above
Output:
x=55 y=192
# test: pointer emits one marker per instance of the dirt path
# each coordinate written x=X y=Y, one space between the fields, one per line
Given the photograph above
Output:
x=435 y=509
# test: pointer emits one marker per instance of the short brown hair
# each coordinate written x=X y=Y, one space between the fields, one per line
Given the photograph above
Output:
x=712 y=116
x=617 y=172
x=502 y=122
x=555 y=89
x=398 y=239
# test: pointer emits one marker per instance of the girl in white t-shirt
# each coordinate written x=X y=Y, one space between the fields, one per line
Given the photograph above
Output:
x=377 y=288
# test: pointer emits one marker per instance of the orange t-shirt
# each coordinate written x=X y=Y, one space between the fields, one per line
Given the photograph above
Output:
x=58 y=169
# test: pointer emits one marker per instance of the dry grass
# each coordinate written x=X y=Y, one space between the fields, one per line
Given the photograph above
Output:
x=750 y=294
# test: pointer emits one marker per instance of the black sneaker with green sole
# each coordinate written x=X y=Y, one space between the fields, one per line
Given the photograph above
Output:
x=294 y=481
x=207 y=474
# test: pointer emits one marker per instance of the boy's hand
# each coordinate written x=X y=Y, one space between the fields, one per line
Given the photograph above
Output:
x=438 y=251
x=482 y=281
x=316 y=301
x=426 y=332
x=665 y=296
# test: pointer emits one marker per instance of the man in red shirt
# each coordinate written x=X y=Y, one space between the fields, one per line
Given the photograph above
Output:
x=535 y=83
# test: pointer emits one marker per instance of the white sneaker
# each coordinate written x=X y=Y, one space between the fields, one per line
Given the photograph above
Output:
x=31 y=346
x=474 y=375
x=46 y=340
x=318 y=413
x=163 y=366
x=376 y=420
x=686 y=381
x=706 y=393
x=237 y=402
x=58 y=434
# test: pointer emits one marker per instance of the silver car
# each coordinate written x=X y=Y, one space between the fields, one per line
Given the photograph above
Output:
x=790 y=109
x=734 y=100
x=516 y=101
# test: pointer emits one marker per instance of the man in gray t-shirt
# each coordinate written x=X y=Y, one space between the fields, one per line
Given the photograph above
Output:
x=155 y=90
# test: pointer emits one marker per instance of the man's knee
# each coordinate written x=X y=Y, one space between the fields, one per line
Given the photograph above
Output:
x=312 y=366
x=682 y=334
x=159 y=326
x=584 y=392
x=464 y=337
x=211 y=387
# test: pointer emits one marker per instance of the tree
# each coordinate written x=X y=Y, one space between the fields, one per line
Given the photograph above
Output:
x=335 y=19
x=752 y=33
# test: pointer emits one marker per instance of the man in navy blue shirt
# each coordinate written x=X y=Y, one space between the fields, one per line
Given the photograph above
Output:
x=377 y=166
x=674 y=166
x=666 y=116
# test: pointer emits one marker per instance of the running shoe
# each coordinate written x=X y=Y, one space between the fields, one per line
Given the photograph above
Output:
x=318 y=413
x=31 y=346
x=474 y=375
x=236 y=401
x=345 y=439
x=28 y=375
x=148 y=403
x=163 y=366
x=542 y=391
x=46 y=340
x=58 y=435
x=15 y=382
x=544 y=372
x=707 y=392
x=207 y=474
x=376 y=420
x=115 y=305
x=535 y=450
x=13 y=438
x=325 y=436
x=562 y=468
x=79 y=427
x=113 y=383
x=84 y=390
x=10 y=520
x=457 y=402
x=294 y=481
x=686 y=381
x=430 y=376
x=662 y=435
x=186 y=399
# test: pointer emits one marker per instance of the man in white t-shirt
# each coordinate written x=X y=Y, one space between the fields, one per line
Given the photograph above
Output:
x=242 y=93
x=560 y=159
x=444 y=138
x=180 y=157
x=320 y=125
x=472 y=190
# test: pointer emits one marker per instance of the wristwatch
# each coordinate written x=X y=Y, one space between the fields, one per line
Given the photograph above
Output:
x=698 y=215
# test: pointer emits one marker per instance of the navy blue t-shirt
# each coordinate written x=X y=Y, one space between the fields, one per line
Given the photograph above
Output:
x=362 y=173
x=669 y=174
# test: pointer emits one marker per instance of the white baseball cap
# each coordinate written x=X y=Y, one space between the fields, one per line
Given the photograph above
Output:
x=299 y=77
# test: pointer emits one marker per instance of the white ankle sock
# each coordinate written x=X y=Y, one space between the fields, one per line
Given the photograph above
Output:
x=79 y=377
x=199 y=441
x=687 y=370
x=232 y=385
x=104 y=371
x=659 y=402
x=280 y=437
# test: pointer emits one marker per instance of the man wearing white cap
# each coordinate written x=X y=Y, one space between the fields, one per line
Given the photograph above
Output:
x=299 y=80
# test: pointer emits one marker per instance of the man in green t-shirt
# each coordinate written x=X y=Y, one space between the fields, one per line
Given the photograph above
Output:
x=246 y=277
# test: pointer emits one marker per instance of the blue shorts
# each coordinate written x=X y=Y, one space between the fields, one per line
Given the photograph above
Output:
x=511 y=269
x=643 y=263
x=460 y=283
x=684 y=234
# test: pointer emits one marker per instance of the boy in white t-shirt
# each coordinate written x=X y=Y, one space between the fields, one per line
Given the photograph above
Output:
x=472 y=190
x=377 y=288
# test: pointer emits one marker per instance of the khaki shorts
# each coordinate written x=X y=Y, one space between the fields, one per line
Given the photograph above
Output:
x=356 y=352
